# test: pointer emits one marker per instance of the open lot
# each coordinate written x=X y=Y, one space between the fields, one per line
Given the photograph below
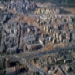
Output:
x=72 y=10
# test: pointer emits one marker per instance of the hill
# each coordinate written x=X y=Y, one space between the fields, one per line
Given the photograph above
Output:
x=68 y=3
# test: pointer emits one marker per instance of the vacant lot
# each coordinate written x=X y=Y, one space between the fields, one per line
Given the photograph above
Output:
x=72 y=10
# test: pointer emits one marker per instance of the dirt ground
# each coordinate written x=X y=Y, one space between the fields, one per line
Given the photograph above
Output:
x=72 y=10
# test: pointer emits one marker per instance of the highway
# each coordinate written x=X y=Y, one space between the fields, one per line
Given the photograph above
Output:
x=29 y=57
x=32 y=56
x=25 y=59
x=24 y=62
